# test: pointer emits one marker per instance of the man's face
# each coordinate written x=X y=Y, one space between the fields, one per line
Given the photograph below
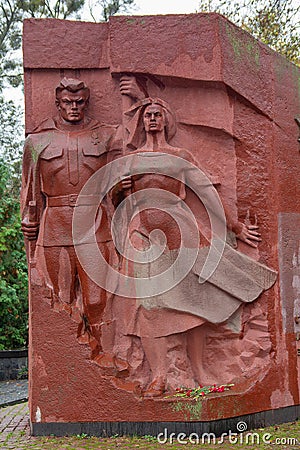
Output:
x=154 y=119
x=72 y=105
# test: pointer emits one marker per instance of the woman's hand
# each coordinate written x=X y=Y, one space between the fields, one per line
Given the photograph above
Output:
x=249 y=234
x=130 y=87
x=123 y=187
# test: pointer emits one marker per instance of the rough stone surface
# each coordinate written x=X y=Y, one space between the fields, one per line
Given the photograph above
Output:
x=56 y=53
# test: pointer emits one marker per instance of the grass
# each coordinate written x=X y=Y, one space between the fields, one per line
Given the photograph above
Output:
x=276 y=437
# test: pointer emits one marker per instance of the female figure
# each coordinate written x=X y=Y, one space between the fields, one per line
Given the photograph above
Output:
x=160 y=328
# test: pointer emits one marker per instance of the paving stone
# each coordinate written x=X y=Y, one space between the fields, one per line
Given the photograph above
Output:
x=14 y=419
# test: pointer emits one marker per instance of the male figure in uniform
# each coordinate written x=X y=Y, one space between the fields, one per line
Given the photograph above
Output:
x=59 y=158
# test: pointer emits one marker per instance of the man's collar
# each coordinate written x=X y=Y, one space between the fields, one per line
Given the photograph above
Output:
x=56 y=124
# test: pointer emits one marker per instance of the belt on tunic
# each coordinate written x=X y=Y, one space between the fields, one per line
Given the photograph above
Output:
x=71 y=200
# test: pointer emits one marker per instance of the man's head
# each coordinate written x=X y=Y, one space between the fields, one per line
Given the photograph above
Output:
x=72 y=99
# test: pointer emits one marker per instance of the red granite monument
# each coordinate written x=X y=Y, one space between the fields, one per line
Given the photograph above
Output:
x=161 y=213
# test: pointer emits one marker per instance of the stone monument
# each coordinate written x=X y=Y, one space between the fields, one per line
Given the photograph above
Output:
x=160 y=215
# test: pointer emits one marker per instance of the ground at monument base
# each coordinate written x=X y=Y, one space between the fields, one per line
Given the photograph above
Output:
x=15 y=434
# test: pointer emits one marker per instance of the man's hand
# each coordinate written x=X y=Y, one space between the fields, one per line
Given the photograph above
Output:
x=249 y=235
x=30 y=230
x=130 y=87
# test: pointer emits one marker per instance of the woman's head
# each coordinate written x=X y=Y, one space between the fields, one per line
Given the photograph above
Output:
x=154 y=118
x=150 y=115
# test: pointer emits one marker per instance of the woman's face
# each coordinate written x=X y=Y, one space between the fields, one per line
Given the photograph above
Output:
x=154 y=118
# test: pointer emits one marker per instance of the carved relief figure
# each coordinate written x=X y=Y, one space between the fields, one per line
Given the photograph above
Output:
x=157 y=335
x=59 y=157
